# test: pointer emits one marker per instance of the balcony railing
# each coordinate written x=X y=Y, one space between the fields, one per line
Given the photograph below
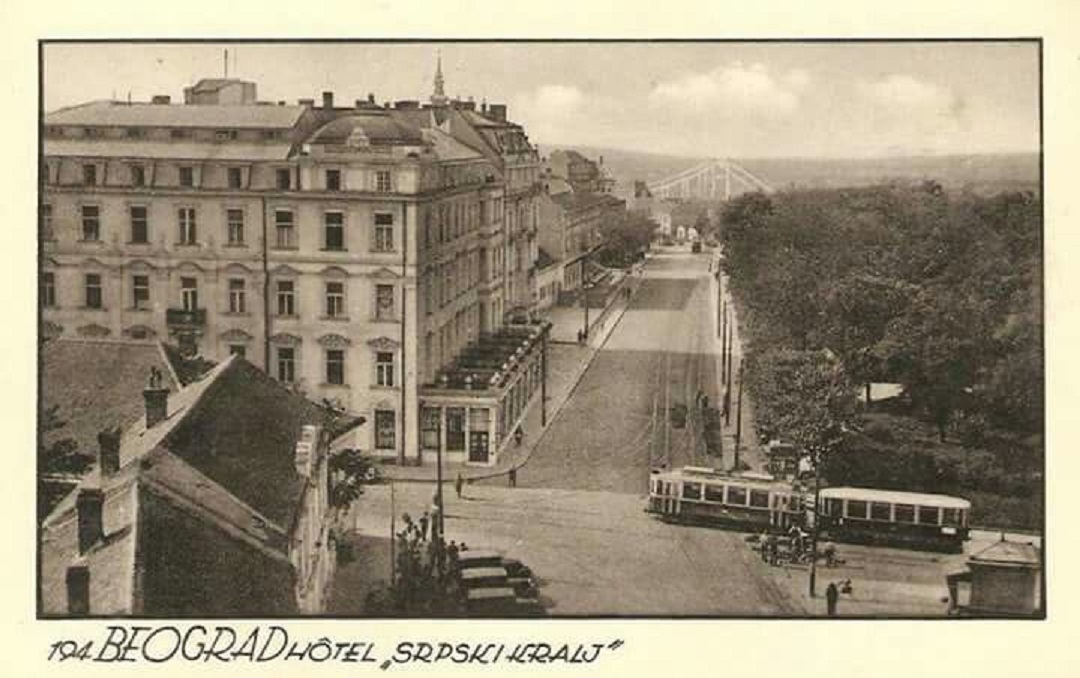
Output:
x=182 y=317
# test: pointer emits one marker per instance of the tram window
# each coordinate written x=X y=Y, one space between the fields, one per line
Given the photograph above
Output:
x=880 y=511
x=856 y=509
x=905 y=513
x=833 y=506
x=928 y=515
x=950 y=516
x=759 y=498
x=736 y=495
x=691 y=490
x=714 y=493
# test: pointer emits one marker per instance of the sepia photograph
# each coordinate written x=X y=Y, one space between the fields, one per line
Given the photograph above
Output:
x=540 y=329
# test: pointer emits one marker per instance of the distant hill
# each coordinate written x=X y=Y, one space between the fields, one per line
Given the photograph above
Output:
x=990 y=173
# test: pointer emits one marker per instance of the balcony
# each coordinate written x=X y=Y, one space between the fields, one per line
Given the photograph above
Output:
x=178 y=317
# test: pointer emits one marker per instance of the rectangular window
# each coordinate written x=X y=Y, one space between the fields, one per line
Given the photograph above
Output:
x=186 y=218
x=691 y=490
x=384 y=232
x=714 y=493
x=237 y=296
x=385 y=429
x=189 y=293
x=93 y=290
x=335 y=299
x=78 y=590
x=382 y=181
x=234 y=221
x=140 y=292
x=236 y=177
x=286 y=234
x=89 y=175
x=384 y=302
x=950 y=516
x=736 y=495
x=225 y=134
x=286 y=300
x=138 y=175
x=187 y=177
x=856 y=509
x=179 y=134
x=335 y=231
x=335 y=366
x=48 y=289
x=384 y=368
x=286 y=364
x=905 y=513
x=91 y=223
x=133 y=133
x=928 y=515
x=238 y=350
x=880 y=510
x=759 y=498
x=333 y=180
x=429 y=428
x=46 y=222
x=284 y=179
x=140 y=227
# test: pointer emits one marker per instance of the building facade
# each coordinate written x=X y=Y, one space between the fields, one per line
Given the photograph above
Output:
x=352 y=252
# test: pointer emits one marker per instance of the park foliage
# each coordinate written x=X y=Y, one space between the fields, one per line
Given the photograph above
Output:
x=911 y=284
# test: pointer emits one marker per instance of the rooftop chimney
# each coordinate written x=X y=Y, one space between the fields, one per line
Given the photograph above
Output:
x=328 y=100
x=406 y=105
x=156 y=397
x=89 y=504
x=161 y=99
x=497 y=112
x=109 y=451
x=371 y=98
x=307 y=103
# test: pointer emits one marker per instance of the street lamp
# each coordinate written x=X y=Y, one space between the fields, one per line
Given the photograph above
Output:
x=817 y=524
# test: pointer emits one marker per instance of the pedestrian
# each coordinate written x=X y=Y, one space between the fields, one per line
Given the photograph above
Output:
x=830 y=555
x=832 y=594
x=764 y=541
x=519 y=435
x=424 y=519
x=512 y=477
x=459 y=484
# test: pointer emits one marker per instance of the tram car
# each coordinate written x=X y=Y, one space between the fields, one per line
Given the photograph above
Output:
x=747 y=501
x=910 y=519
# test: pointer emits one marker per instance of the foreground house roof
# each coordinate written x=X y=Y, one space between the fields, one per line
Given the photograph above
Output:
x=120 y=114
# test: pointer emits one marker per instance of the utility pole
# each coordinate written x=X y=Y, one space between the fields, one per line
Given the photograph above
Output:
x=816 y=526
x=543 y=377
x=738 y=418
x=727 y=383
x=393 y=538
x=723 y=342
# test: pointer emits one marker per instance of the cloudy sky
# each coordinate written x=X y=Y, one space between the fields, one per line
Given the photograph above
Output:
x=719 y=99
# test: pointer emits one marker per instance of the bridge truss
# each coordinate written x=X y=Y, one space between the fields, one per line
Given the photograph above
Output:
x=710 y=180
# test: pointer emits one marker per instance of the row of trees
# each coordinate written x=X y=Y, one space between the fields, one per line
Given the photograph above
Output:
x=897 y=283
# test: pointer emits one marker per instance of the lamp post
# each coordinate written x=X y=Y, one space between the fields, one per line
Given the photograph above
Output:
x=543 y=377
x=393 y=538
x=738 y=418
x=816 y=525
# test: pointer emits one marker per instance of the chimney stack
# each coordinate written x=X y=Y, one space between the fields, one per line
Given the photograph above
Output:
x=90 y=505
x=156 y=398
x=371 y=97
x=497 y=112
x=161 y=99
x=328 y=100
x=306 y=103
x=109 y=451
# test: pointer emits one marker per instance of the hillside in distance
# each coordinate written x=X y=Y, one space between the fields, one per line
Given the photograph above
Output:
x=985 y=174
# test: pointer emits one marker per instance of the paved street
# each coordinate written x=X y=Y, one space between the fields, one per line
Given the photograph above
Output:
x=614 y=428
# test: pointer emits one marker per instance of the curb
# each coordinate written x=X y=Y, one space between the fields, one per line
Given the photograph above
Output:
x=553 y=415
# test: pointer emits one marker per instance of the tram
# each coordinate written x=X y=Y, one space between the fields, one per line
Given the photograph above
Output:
x=863 y=515
x=743 y=500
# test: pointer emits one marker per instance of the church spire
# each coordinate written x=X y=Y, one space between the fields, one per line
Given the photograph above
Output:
x=439 y=97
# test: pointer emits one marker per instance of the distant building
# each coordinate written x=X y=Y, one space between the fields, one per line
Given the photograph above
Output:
x=214 y=503
x=549 y=280
x=572 y=229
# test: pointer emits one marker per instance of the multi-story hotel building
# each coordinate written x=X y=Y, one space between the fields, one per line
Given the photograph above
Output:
x=349 y=251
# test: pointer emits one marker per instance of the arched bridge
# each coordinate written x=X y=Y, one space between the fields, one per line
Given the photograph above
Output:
x=710 y=180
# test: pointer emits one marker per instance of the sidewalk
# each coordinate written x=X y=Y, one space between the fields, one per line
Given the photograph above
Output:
x=566 y=363
x=750 y=451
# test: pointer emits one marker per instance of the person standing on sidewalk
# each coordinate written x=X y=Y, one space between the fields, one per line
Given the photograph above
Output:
x=832 y=594
x=511 y=477
x=459 y=485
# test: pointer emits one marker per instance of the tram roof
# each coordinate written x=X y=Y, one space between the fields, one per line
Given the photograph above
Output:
x=895 y=497
x=703 y=473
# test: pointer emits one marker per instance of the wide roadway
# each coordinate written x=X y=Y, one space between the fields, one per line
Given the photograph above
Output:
x=615 y=427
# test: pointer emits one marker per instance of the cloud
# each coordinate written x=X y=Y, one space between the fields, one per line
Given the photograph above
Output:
x=907 y=93
x=553 y=102
x=734 y=88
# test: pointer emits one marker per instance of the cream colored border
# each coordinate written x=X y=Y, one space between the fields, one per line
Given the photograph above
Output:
x=652 y=648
